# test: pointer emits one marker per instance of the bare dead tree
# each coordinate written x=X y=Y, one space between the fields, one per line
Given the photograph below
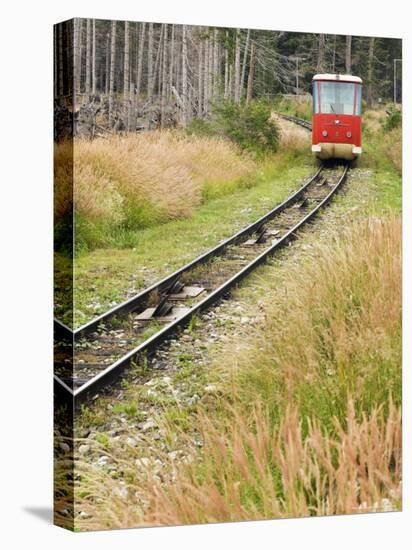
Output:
x=164 y=77
x=112 y=65
x=140 y=58
x=369 y=92
x=348 y=54
x=88 y=58
x=184 y=75
x=94 y=57
x=321 y=54
x=245 y=53
x=251 y=75
x=150 y=63
x=237 y=67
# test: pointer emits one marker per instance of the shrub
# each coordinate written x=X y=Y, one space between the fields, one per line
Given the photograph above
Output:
x=249 y=125
x=393 y=118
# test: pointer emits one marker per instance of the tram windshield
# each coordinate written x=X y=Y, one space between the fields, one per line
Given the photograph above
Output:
x=337 y=98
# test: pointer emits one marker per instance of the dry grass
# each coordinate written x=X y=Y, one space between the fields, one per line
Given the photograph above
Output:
x=308 y=421
x=373 y=119
x=251 y=469
x=292 y=137
x=117 y=178
x=392 y=147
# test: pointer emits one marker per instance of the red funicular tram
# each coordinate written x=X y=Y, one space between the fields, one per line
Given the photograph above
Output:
x=336 y=118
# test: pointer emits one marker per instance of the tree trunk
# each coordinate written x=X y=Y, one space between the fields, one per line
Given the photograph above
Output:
x=111 y=77
x=88 y=48
x=369 y=94
x=164 y=79
x=226 y=92
x=210 y=71
x=156 y=67
x=334 y=54
x=126 y=66
x=242 y=80
x=140 y=59
x=230 y=83
x=184 y=75
x=106 y=88
x=348 y=54
x=200 y=79
x=150 y=63
x=171 y=61
x=320 y=68
x=60 y=48
x=206 y=78
x=237 y=66
x=79 y=68
x=76 y=60
x=215 y=63
x=55 y=40
x=251 y=75
x=94 y=57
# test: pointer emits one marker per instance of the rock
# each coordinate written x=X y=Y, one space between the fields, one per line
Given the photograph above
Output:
x=84 y=449
x=103 y=460
x=131 y=441
x=148 y=425
x=142 y=462
x=121 y=491
x=84 y=515
x=194 y=399
x=64 y=447
x=211 y=388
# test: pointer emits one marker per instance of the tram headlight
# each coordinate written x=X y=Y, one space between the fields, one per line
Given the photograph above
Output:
x=324 y=133
x=349 y=134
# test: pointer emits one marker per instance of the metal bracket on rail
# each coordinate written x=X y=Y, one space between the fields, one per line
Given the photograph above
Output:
x=166 y=311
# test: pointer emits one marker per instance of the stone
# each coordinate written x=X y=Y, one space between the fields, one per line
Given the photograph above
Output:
x=84 y=449
x=148 y=425
x=142 y=462
x=194 y=399
x=103 y=460
x=64 y=447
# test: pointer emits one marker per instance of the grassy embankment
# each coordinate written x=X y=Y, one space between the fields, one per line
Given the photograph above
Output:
x=305 y=418
x=145 y=205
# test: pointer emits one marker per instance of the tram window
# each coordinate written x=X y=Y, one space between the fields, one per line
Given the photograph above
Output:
x=358 y=106
x=336 y=98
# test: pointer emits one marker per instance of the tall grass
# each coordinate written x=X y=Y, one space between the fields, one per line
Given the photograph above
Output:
x=307 y=420
x=382 y=140
x=123 y=183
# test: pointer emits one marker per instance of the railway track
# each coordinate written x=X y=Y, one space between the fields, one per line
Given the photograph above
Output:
x=97 y=354
x=299 y=121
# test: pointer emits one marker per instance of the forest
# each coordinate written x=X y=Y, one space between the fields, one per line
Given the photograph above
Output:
x=132 y=76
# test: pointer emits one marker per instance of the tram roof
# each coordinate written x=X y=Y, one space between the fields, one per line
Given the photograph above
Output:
x=338 y=77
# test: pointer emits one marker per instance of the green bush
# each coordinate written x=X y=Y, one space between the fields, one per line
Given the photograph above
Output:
x=249 y=125
x=393 y=118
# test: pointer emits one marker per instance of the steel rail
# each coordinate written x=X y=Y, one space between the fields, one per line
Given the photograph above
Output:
x=89 y=389
x=300 y=121
x=133 y=303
